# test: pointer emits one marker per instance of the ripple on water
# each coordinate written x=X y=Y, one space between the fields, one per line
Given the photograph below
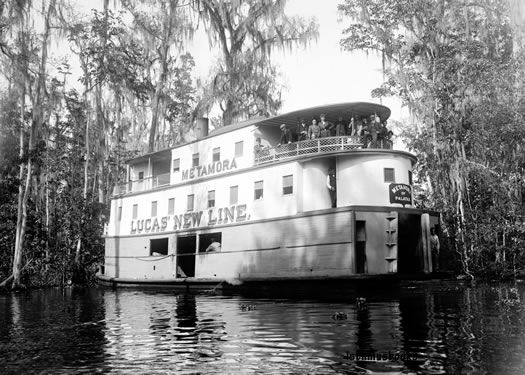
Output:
x=430 y=331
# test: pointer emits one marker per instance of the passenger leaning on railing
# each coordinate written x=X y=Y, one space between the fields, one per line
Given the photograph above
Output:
x=258 y=148
x=286 y=135
x=302 y=131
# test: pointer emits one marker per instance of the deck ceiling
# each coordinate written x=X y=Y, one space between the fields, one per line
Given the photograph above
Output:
x=332 y=112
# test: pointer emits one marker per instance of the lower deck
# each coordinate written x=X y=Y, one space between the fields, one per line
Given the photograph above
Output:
x=345 y=242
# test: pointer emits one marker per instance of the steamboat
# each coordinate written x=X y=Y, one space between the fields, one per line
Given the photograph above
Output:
x=238 y=206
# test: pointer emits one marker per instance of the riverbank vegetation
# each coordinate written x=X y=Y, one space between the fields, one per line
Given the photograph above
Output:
x=459 y=68
x=127 y=85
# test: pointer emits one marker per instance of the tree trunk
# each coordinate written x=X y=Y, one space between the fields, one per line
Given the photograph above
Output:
x=35 y=128
x=163 y=61
x=17 y=256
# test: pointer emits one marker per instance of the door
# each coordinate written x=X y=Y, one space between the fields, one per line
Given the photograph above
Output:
x=360 y=246
x=186 y=248
x=409 y=246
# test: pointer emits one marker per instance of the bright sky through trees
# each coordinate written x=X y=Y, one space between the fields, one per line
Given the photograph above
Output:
x=321 y=73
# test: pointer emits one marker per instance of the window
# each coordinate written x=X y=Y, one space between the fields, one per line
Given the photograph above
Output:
x=389 y=175
x=135 y=211
x=176 y=165
x=171 y=206
x=153 y=208
x=211 y=198
x=206 y=239
x=239 y=149
x=258 y=190
x=141 y=175
x=410 y=177
x=234 y=194
x=158 y=247
x=119 y=213
x=195 y=160
x=190 y=202
x=287 y=185
x=216 y=154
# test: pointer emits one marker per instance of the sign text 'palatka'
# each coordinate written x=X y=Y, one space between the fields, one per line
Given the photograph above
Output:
x=400 y=193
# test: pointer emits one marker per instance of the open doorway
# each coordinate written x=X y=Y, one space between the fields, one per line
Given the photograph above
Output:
x=409 y=244
x=360 y=246
x=331 y=182
x=186 y=247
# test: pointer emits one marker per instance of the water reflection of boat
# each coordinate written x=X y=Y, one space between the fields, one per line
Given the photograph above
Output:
x=213 y=210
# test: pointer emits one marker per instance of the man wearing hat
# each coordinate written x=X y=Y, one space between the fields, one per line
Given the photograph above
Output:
x=326 y=126
x=286 y=135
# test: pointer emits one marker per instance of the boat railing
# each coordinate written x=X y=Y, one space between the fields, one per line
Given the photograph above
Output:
x=268 y=155
x=147 y=183
x=311 y=147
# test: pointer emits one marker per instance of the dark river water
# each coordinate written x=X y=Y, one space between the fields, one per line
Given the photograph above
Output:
x=427 y=329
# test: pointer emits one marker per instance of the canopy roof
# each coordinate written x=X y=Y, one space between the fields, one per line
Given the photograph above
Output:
x=332 y=112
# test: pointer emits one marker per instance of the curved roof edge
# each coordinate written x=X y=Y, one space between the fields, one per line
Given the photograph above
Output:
x=332 y=112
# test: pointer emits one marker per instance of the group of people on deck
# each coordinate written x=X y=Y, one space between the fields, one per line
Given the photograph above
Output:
x=372 y=130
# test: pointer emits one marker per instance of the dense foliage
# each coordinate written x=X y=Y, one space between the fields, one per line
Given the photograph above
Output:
x=458 y=66
x=68 y=123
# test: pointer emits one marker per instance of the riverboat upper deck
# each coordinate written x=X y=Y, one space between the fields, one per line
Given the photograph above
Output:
x=169 y=167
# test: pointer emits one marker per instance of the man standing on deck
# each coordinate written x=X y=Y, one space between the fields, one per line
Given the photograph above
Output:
x=286 y=135
x=340 y=127
x=434 y=247
x=314 y=130
x=326 y=126
x=331 y=185
x=302 y=131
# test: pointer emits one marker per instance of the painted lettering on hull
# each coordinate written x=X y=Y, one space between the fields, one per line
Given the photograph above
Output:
x=205 y=170
x=188 y=220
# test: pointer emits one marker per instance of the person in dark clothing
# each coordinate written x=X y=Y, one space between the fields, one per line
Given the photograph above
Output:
x=258 y=148
x=340 y=127
x=286 y=136
x=367 y=138
x=326 y=126
x=382 y=134
x=389 y=139
x=331 y=185
x=302 y=131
